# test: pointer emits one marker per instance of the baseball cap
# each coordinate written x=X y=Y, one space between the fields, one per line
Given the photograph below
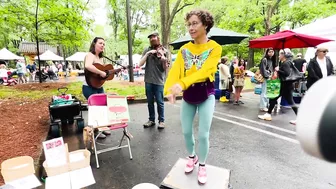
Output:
x=153 y=34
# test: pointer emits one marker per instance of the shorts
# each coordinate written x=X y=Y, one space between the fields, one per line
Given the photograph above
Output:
x=20 y=74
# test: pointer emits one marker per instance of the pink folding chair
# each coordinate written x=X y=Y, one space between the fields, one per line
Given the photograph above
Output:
x=100 y=100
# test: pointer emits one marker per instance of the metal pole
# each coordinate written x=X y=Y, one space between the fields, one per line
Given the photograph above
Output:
x=129 y=33
x=37 y=41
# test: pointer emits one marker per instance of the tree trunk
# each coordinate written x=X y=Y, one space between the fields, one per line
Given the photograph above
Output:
x=37 y=42
x=115 y=28
x=250 y=62
x=164 y=10
x=167 y=18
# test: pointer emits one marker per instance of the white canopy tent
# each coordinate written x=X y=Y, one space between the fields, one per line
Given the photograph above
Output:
x=7 y=55
x=48 y=55
x=78 y=57
x=135 y=58
x=322 y=28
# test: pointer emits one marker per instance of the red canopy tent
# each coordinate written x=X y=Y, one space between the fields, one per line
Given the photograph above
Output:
x=287 y=39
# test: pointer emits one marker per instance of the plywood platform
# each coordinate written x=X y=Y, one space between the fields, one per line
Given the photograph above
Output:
x=218 y=178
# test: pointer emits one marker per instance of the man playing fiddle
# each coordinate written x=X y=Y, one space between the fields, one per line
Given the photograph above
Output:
x=156 y=61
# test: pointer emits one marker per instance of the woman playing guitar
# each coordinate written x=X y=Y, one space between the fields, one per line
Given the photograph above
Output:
x=93 y=57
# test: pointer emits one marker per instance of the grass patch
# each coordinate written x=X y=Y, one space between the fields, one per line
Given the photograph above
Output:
x=47 y=90
x=138 y=91
x=12 y=93
x=248 y=84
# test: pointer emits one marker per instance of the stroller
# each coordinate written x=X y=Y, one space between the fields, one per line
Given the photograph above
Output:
x=44 y=76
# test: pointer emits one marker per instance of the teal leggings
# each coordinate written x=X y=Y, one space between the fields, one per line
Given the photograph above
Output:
x=205 y=113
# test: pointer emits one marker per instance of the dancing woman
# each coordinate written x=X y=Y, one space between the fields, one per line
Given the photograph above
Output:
x=193 y=73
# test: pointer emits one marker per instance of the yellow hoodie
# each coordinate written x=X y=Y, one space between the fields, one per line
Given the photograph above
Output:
x=194 y=63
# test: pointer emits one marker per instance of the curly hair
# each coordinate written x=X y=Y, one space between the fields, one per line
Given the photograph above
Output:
x=205 y=17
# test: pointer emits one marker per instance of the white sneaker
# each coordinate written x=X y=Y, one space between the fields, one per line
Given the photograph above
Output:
x=293 y=122
x=264 y=109
x=266 y=117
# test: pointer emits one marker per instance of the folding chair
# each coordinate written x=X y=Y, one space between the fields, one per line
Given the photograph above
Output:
x=100 y=100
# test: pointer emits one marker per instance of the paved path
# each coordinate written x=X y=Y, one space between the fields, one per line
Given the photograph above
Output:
x=261 y=155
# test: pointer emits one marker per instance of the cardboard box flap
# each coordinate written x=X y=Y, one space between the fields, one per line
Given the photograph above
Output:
x=16 y=168
x=79 y=159
x=81 y=163
x=52 y=171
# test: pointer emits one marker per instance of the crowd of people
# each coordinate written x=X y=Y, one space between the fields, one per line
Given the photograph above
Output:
x=29 y=72
x=231 y=76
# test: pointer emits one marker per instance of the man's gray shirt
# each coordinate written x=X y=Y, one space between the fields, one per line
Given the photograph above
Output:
x=154 y=71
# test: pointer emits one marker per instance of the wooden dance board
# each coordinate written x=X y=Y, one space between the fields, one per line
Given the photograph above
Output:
x=177 y=179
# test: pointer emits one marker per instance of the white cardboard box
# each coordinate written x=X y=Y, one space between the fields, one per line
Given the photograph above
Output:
x=74 y=174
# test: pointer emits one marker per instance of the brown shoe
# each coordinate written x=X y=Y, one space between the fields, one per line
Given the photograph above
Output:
x=161 y=125
x=149 y=124
x=101 y=135
x=107 y=132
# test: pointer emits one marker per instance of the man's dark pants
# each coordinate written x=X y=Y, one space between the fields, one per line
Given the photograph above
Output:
x=154 y=91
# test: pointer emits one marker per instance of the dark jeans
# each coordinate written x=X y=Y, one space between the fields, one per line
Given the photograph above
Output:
x=155 y=91
x=225 y=93
x=88 y=91
x=286 y=92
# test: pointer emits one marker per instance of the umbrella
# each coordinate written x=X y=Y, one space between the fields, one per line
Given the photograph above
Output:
x=7 y=55
x=222 y=37
x=48 y=55
x=287 y=39
x=78 y=56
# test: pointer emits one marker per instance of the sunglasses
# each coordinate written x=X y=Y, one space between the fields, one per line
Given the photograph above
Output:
x=324 y=51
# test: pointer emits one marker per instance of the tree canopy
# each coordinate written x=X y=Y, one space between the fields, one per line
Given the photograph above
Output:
x=60 y=22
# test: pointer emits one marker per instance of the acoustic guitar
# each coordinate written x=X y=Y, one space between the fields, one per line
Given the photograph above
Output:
x=95 y=80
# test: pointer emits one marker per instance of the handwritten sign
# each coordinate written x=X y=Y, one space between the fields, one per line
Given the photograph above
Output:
x=115 y=112
x=55 y=152
x=117 y=109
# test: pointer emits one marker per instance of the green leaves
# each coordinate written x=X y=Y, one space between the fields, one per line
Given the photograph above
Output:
x=60 y=22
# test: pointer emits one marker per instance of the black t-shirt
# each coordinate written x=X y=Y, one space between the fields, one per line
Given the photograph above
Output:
x=298 y=63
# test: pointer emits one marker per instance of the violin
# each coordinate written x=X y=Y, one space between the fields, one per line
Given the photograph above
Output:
x=160 y=51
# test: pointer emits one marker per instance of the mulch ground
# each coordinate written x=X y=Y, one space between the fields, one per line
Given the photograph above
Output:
x=39 y=86
x=24 y=124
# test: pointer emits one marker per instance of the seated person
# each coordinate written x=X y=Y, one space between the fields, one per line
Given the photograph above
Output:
x=4 y=76
x=3 y=71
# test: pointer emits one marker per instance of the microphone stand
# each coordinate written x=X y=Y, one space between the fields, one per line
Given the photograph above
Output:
x=115 y=62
